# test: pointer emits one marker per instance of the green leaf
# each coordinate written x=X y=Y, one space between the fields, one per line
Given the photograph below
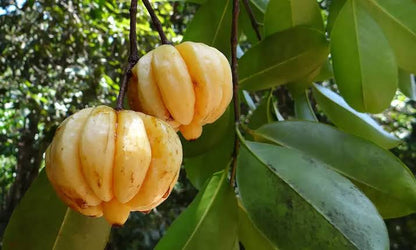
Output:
x=42 y=221
x=381 y=175
x=212 y=135
x=210 y=222
x=299 y=203
x=245 y=23
x=286 y=14
x=326 y=72
x=364 y=65
x=334 y=9
x=407 y=84
x=260 y=4
x=211 y=25
x=248 y=233
x=303 y=109
x=283 y=57
x=262 y=114
x=200 y=168
x=351 y=121
x=398 y=21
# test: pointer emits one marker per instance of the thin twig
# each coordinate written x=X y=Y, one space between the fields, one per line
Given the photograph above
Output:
x=234 y=68
x=156 y=22
x=253 y=20
x=133 y=55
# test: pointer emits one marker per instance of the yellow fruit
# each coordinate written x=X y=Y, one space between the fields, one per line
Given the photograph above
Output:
x=188 y=86
x=103 y=161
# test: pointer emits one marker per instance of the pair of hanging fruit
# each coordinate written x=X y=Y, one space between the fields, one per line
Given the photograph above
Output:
x=107 y=162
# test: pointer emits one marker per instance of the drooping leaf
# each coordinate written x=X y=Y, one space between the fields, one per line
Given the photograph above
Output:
x=380 y=175
x=283 y=57
x=211 y=25
x=210 y=222
x=41 y=221
x=364 y=65
x=325 y=73
x=285 y=14
x=262 y=114
x=303 y=109
x=299 y=203
x=212 y=135
x=407 y=84
x=398 y=21
x=250 y=236
x=351 y=121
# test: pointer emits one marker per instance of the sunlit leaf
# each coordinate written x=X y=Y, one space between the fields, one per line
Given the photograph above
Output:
x=215 y=18
x=285 y=14
x=351 y=121
x=364 y=65
x=398 y=21
x=282 y=58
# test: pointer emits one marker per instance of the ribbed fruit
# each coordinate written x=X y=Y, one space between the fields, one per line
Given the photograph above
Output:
x=107 y=162
x=188 y=86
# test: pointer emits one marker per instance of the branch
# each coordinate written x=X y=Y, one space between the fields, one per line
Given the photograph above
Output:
x=133 y=55
x=156 y=22
x=253 y=20
x=234 y=72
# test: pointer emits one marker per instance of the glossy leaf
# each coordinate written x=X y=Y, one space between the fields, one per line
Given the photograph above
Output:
x=285 y=14
x=295 y=209
x=215 y=18
x=407 y=84
x=283 y=57
x=364 y=65
x=212 y=135
x=210 y=222
x=248 y=233
x=42 y=221
x=351 y=121
x=381 y=175
x=398 y=21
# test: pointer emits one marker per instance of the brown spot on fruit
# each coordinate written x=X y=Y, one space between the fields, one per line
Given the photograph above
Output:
x=146 y=211
x=81 y=203
x=166 y=194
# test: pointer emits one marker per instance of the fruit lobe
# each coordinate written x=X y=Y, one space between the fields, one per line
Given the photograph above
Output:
x=107 y=162
x=188 y=85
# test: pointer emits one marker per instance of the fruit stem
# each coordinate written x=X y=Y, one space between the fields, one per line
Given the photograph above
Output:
x=253 y=20
x=234 y=72
x=133 y=56
x=156 y=22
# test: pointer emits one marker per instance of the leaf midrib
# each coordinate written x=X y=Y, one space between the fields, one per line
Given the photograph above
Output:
x=335 y=169
x=383 y=10
x=214 y=196
x=275 y=65
x=59 y=234
x=220 y=22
